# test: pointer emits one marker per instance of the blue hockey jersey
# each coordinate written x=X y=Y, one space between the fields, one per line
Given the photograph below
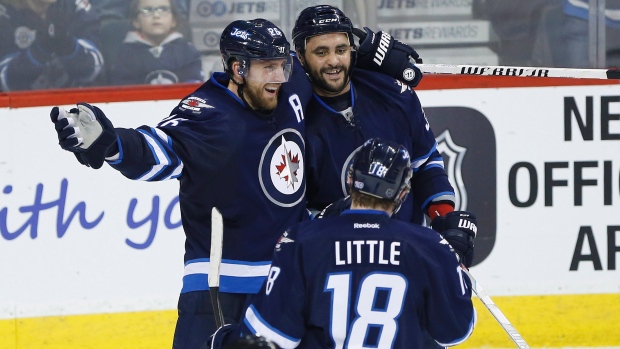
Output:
x=362 y=280
x=381 y=107
x=175 y=60
x=225 y=155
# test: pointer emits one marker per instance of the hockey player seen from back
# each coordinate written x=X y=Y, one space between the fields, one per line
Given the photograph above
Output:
x=362 y=279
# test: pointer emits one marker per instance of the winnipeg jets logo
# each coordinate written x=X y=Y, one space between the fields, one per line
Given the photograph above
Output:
x=240 y=33
x=281 y=170
x=288 y=167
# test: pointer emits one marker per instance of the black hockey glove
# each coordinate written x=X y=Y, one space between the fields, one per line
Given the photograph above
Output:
x=334 y=209
x=459 y=228
x=381 y=52
x=86 y=132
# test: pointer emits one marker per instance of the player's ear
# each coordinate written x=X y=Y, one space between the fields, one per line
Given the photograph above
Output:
x=301 y=58
x=235 y=67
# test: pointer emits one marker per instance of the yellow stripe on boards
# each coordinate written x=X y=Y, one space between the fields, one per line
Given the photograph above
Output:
x=543 y=321
x=139 y=330
x=550 y=321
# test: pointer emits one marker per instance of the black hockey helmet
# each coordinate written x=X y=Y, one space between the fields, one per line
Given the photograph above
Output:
x=253 y=39
x=321 y=19
x=381 y=169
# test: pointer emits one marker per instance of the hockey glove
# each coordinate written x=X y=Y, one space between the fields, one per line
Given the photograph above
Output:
x=381 y=52
x=459 y=228
x=86 y=132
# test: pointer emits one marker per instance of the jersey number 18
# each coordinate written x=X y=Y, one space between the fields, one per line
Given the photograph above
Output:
x=378 y=305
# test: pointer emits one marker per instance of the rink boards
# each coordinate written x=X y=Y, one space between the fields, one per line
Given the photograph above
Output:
x=93 y=260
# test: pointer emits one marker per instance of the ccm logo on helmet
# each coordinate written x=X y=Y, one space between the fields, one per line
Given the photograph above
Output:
x=383 y=46
x=328 y=20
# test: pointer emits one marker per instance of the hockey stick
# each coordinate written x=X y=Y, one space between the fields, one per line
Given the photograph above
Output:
x=499 y=316
x=492 y=70
x=215 y=261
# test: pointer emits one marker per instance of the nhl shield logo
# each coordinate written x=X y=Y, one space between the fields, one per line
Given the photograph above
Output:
x=466 y=140
x=453 y=155
x=281 y=170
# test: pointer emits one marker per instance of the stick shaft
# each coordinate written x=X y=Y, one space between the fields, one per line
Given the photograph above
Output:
x=497 y=314
x=215 y=261
x=542 y=72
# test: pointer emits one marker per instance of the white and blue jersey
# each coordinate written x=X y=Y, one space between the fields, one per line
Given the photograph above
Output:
x=225 y=155
x=362 y=280
x=380 y=107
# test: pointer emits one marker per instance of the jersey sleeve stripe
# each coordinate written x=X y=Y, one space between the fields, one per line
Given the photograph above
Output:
x=237 y=276
x=164 y=137
x=177 y=172
x=230 y=268
x=435 y=163
x=443 y=196
x=419 y=162
x=259 y=326
x=160 y=154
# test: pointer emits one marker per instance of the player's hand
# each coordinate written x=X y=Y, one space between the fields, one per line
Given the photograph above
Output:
x=381 y=52
x=86 y=132
x=459 y=228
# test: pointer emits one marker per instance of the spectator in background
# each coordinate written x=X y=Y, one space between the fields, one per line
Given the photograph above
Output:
x=117 y=9
x=517 y=24
x=48 y=44
x=155 y=53
x=577 y=37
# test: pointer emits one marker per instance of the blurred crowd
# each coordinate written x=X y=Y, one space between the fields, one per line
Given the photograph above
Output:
x=71 y=43
x=46 y=44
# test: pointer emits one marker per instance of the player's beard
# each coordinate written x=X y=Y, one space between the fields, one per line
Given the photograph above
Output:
x=259 y=99
x=320 y=80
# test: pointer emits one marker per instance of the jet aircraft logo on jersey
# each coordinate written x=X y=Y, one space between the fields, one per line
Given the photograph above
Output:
x=194 y=104
x=288 y=167
x=281 y=169
x=284 y=239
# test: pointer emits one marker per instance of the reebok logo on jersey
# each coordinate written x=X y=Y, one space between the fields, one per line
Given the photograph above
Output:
x=366 y=226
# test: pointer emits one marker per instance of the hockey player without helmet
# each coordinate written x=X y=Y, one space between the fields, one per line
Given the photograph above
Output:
x=321 y=19
x=257 y=39
x=381 y=169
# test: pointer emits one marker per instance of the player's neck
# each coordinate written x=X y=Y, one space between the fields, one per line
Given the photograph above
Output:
x=362 y=207
x=234 y=88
